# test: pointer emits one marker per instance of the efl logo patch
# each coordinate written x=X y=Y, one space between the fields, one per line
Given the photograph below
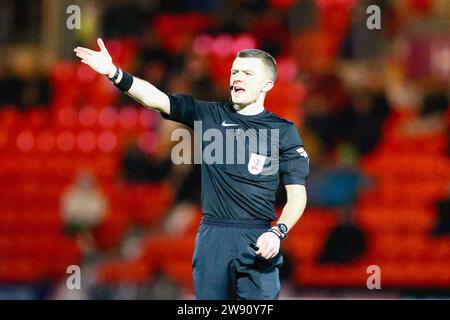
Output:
x=256 y=163
x=302 y=152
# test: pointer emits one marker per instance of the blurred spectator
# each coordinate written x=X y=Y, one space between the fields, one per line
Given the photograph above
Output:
x=335 y=183
x=12 y=88
x=122 y=19
x=336 y=116
x=435 y=100
x=345 y=243
x=368 y=112
x=362 y=42
x=23 y=93
x=333 y=187
x=324 y=108
x=160 y=288
x=443 y=216
x=203 y=5
x=22 y=83
x=83 y=208
x=196 y=74
x=180 y=217
x=153 y=163
x=272 y=32
x=156 y=63
x=138 y=167
x=302 y=16
x=432 y=115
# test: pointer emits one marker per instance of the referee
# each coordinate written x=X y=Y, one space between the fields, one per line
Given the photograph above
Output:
x=237 y=251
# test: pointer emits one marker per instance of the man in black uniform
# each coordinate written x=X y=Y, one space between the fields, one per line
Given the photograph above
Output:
x=237 y=251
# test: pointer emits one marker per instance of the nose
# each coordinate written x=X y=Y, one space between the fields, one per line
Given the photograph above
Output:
x=237 y=80
x=237 y=77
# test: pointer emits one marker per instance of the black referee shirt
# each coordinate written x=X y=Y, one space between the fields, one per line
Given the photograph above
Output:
x=243 y=157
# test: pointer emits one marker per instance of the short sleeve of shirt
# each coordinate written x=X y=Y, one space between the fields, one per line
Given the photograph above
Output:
x=294 y=161
x=183 y=109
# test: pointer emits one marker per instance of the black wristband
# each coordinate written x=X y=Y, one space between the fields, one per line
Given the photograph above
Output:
x=125 y=82
x=116 y=75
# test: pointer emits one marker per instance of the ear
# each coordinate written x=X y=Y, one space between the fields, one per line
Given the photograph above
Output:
x=268 y=86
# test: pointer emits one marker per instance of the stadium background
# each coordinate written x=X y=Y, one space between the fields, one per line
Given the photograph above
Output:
x=85 y=172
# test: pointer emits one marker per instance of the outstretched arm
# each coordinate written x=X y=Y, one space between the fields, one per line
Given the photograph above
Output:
x=140 y=90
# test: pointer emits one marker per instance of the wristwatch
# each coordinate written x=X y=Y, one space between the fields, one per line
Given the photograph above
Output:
x=280 y=229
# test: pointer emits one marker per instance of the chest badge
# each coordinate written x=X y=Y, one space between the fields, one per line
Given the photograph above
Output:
x=256 y=163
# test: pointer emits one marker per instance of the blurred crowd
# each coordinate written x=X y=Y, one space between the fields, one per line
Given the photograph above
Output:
x=338 y=81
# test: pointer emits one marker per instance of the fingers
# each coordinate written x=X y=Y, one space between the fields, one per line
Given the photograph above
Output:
x=267 y=253
x=263 y=250
x=101 y=45
x=84 y=50
x=268 y=246
x=83 y=55
x=262 y=245
x=272 y=254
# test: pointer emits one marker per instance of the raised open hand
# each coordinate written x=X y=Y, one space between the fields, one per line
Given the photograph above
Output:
x=100 y=61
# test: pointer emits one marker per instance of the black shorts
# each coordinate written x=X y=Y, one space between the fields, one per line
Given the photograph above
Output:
x=225 y=265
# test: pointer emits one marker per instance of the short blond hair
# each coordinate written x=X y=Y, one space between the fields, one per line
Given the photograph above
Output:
x=266 y=58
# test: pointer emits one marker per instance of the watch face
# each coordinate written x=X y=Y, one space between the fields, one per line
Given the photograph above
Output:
x=283 y=228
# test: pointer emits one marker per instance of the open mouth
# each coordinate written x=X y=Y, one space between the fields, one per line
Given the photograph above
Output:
x=238 y=89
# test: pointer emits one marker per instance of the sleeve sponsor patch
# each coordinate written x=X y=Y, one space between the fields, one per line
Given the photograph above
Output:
x=302 y=152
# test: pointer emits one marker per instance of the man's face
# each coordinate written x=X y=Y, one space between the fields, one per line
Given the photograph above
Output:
x=248 y=80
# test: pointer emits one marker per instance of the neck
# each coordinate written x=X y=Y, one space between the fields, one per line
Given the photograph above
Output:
x=250 y=109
